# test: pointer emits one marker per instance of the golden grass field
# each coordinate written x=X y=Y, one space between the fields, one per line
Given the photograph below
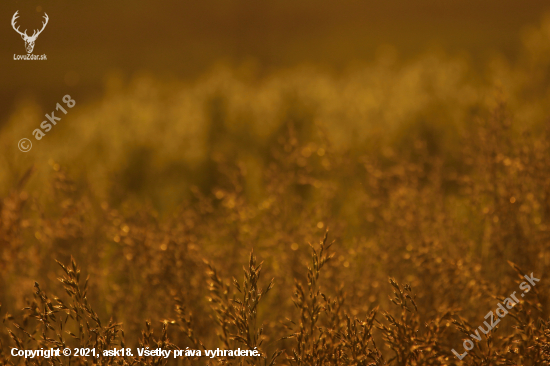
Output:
x=388 y=207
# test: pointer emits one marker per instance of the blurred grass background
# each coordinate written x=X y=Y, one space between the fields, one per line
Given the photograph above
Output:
x=376 y=65
x=84 y=41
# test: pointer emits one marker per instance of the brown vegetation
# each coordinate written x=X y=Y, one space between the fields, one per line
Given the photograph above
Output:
x=444 y=208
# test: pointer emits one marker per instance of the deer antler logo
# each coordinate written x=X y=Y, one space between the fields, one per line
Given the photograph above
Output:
x=29 y=41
